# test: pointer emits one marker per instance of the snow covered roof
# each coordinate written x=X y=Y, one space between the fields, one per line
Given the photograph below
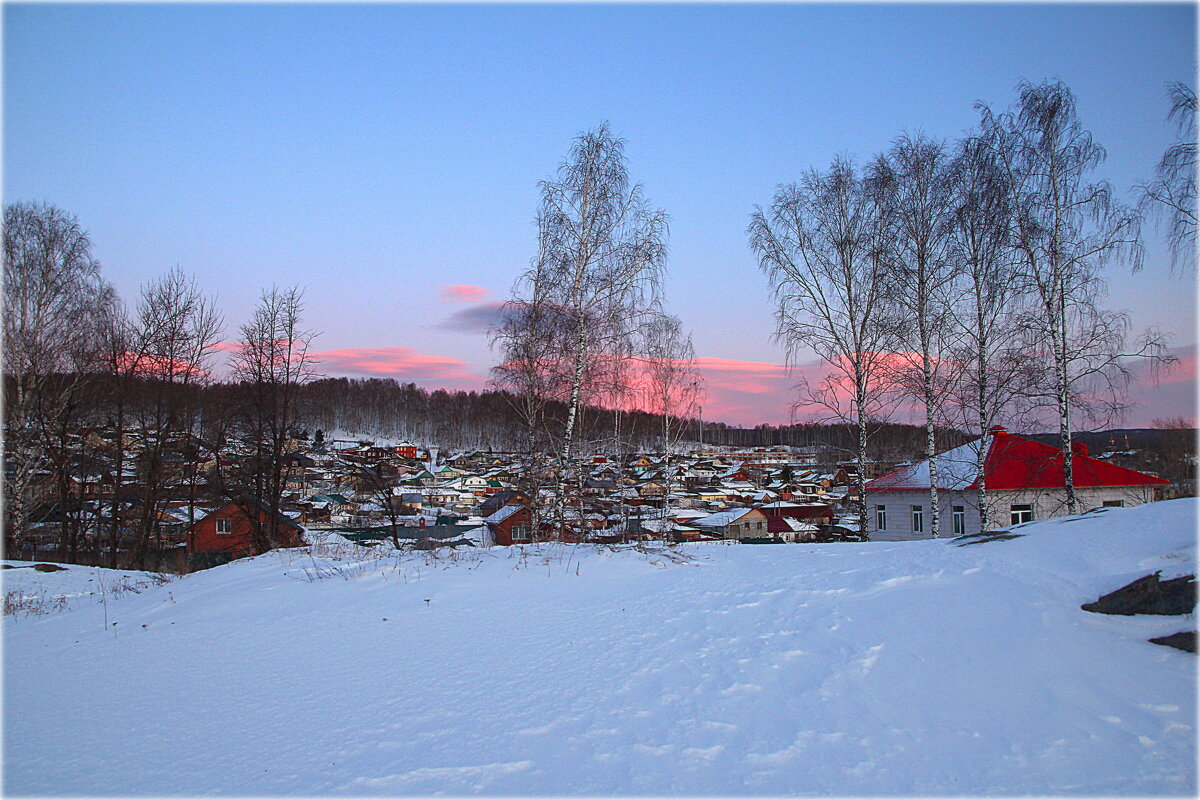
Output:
x=721 y=518
x=956 y=471
x=784 y=524
x=1011 y=462
x=502 y=513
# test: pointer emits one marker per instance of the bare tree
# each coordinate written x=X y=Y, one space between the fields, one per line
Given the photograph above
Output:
x=527 y=338
x=1064 y=230
x=600 y=256
x=822 y=246
x=53 y=294
x=376 y=483
x=65 y=414
x=992 y=365
x=273 y=361
x=174 y=338
x=1171 y=196
x=914 y=179
x=672 y=386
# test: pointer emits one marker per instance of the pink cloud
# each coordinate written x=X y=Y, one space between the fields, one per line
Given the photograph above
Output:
x=750 y=393
x=463 y=293
x=147 y=364
x=746 y=392
x=402 y=363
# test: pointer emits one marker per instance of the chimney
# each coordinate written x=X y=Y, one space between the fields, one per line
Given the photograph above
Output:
x=998 y=430
x=1079 y=449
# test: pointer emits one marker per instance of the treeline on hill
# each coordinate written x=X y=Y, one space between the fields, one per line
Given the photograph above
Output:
x=383 y=408
x=489 y=420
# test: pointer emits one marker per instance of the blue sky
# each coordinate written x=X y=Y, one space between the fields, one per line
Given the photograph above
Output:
x=379 y=153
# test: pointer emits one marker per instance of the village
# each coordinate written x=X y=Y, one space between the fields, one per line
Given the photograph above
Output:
x=424 y=498
x=597 y=399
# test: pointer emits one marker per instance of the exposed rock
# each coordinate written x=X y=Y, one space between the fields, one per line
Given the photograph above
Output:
x=1184 y=640
x=48 y=568
x=980 y=538
x=1149 y=595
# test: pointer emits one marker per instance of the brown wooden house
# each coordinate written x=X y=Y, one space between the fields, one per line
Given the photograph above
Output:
x=229 y=530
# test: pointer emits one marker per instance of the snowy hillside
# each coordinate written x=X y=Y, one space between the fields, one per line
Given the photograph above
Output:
x=861 y=669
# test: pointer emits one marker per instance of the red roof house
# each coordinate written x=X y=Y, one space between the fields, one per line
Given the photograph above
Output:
x=1023 y=481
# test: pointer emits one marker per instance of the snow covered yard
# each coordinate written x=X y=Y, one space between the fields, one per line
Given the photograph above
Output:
x=884 y=668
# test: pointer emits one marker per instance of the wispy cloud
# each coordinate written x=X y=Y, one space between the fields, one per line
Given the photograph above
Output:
x=479 y=318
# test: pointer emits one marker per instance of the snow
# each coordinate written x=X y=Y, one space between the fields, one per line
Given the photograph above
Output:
x=957 y=469
x=916 y=668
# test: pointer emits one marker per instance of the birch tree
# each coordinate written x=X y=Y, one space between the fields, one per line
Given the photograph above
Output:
x=601 y=253
x=1171 y=196
x=53 y=292
x=914 y=179
x=672 y=386
x=1064 y=230
x=822 y=247
x=175 y=333
x=988 y=352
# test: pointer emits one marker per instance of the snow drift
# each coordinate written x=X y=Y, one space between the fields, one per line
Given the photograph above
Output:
x=930 y=667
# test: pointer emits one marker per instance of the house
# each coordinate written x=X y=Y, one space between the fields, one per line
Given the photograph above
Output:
x=652 y=489
x=228 y=531
x=735 y=523
x=409 y=502
x=501 y=499
x=811 y=513
x=1023 y=481
x=476 y=484
x=511 y=524
x=711 y=495
x=791 y=529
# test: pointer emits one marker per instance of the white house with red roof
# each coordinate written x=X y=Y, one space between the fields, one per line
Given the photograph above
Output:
x=1023 y=481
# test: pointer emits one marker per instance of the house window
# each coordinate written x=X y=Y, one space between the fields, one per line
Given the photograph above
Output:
x=224 y=525
x=960 y=520
x=1114 y=504
x=881 y=518
x=918 y=516
x=521 y=533
x=1020 y=512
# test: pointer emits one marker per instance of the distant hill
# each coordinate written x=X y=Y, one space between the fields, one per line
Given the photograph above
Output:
x=1167 y=452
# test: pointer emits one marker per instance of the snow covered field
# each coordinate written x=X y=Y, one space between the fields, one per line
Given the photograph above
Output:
x=913 y=668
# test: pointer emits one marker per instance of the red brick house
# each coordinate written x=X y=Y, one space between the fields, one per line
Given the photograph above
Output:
x=229 y=531
x=511 y=524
